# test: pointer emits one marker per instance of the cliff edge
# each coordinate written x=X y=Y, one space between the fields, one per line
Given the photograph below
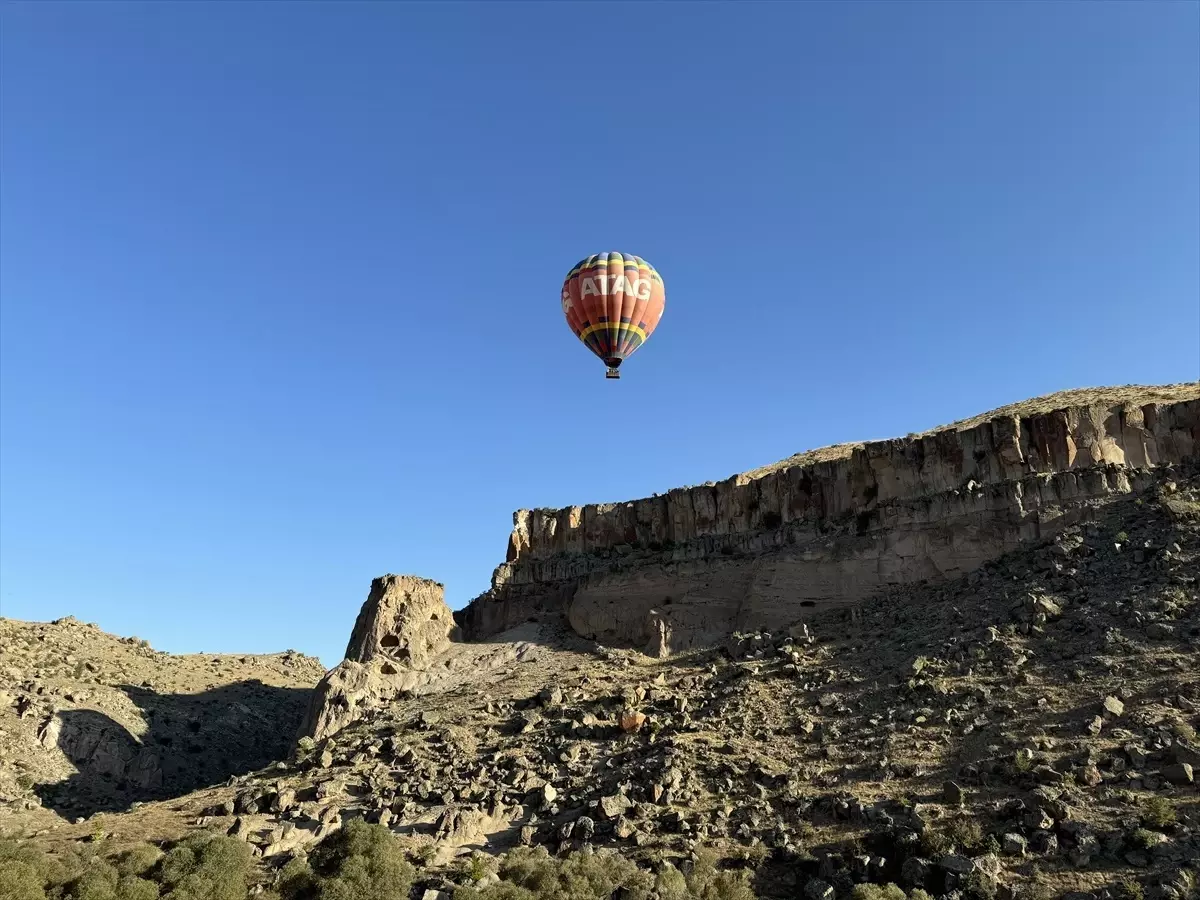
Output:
x=832 y=527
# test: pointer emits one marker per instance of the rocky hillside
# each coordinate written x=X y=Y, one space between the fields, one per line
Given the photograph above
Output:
x=90 y=721
x=1028 y=729
x=1021 y=727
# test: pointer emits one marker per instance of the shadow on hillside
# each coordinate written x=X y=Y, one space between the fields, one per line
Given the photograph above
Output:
x=192 y=741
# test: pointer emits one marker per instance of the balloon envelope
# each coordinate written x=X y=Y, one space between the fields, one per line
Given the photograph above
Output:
x=613 y=302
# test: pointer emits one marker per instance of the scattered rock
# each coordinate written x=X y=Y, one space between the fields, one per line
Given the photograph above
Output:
x=952 y=793
x=632 y=721
x=1179 y=773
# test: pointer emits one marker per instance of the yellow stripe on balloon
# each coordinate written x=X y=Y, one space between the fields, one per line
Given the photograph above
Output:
x=611 y=326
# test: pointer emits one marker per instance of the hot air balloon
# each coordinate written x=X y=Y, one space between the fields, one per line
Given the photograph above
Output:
x=613 y=302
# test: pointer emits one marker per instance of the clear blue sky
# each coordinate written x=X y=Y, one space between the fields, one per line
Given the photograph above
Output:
x=280 y=281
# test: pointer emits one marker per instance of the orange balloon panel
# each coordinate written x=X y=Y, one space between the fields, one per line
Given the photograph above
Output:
x=613 y=302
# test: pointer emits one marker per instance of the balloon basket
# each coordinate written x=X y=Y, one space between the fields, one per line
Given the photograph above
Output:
x=612 y=373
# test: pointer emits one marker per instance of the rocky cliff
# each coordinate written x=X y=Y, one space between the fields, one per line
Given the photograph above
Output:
x=833 y=527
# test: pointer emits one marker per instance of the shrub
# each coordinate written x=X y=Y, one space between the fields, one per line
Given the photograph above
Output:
x=979 y=886
x=208 y=866
x=1145 y=840
x=176 y=865
x=297 y=881
x=138 y=860
x=478 y=867
x=877 y=892
x=130 y=887
x=361 y=862
x=97 y=882
x=704 y=882
x=23 y=872
x=936 y=843
x=21 y=879
x=532 y=874
x=967 y=835
x=1022 y=762
x=1158 y=812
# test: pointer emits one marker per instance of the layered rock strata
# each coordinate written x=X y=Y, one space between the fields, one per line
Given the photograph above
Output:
x=761 y=549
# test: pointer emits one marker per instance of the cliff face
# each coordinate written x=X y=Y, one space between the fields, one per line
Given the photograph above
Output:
x=758 y=549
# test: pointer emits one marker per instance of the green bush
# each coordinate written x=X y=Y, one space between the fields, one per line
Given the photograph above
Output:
x=138 y=860
x=1158 y=812
x=1145 y=839
x=206 y=866
x=101 y=882
x=532 y=874
x=978 y=886
x=967 y=835
x=361 y=862
x=936 y=843
x=23 y=872
x=97 y=882
x=21 y=879
x=704 y=882
x=130 y=887
x=876 y=892
x=297 y=881
x=358 y=862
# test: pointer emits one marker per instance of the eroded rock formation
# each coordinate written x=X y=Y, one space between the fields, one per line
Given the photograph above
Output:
x=759 y=549
x=403 y=624
x=404 y=619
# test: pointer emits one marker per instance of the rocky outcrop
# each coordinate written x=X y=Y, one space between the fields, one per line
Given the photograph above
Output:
x=401 y=627
x=404 y=619
x=761 y=549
